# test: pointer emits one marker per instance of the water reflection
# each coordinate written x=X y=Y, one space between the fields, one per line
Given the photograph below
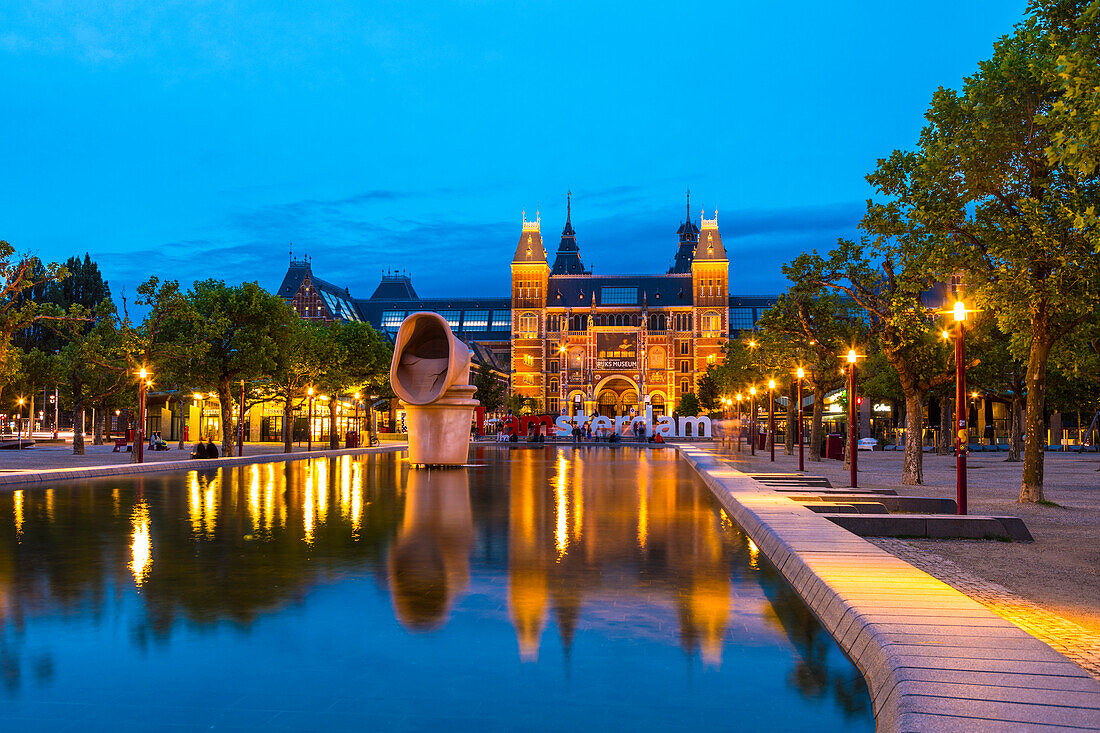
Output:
x=611 y=546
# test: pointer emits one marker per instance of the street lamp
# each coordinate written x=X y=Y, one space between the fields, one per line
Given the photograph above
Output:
x=18 y=426
x=801 y=374
x=139 y=435
x=771 y=417
x=358 y=397
x=959 y=312
x=853 y=426
x=309 y=422
x=752 y=419
x=739 y=398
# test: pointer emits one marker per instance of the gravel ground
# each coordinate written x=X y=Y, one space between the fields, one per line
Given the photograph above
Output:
x=1059 y=572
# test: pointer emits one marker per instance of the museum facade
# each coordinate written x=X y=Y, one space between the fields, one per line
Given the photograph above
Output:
x=566 y=337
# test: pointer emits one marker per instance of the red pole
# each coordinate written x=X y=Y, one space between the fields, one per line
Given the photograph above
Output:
x=801 y=464
x=240 y=423
x=752 y=424
x=139 y=437
x=771 y=421
x=960 y=412
x=740 y=426
x=852 y=426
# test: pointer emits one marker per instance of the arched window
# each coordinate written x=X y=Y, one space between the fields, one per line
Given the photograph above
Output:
x=661 y=322
x=712 y=323
x=529 y=324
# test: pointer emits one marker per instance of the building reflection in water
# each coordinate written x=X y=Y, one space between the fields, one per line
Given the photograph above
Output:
x=583 y=538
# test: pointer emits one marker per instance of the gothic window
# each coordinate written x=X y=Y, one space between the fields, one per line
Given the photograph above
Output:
x=529 y=323
x=685 y=348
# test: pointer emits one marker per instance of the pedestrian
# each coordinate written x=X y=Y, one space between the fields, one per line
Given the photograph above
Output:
x=211 y=449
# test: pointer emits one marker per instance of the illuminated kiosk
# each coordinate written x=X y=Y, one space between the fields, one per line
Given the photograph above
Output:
x=430 y=372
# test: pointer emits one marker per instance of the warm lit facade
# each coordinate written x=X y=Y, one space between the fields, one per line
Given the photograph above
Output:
x=571 y=339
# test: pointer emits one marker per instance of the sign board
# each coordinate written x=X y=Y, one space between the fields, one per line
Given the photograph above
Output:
x=617 y=352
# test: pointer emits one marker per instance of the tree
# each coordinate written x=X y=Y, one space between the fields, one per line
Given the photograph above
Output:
x=688 y=406
x=883 y=277
x=811 y=327
x=21 y=277
x=491 y=392
x=359 y=359
x=980 y=193
x=239 y=326
x=708 y=390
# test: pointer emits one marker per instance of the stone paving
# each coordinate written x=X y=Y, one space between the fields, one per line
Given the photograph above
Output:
x=933 y=658
x=1075 y=642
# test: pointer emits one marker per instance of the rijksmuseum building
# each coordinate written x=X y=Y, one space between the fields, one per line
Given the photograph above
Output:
x=565 y=336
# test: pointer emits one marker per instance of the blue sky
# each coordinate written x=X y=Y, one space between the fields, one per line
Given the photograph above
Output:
x=197 y=139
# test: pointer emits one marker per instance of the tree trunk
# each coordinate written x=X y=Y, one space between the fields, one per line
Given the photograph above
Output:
x=943 y=441
x=288 y=425
x=912 y=467
x=333 y=438
x=78 y=429
x=1015 y=431
x=816 y=427
x=97 y=425
x=792 y=420
x=225 y=398
x=1031 y=488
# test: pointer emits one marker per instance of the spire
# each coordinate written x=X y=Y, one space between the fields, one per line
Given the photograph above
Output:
x=687 y=212
x=688 y=234
x=568 y=259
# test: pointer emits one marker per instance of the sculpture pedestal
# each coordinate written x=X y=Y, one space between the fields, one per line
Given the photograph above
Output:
x=439 y=432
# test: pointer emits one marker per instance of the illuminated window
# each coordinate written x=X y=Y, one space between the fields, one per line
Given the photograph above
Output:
x=502 y=321
x=529 y=323
x=710 y=358
x=475 y=321
x=741 y=319
x=392 y=319
x=618 y=296
x=657 y=358
x=451 y=317
x=712 y=322
x=528 y=359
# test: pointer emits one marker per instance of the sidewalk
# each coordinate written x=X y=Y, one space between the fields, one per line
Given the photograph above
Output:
x=1050 y=587
x=45 y=457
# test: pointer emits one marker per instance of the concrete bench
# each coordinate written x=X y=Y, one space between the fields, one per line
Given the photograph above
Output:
x=939 y=526
x=915 y=504
x=849 y=507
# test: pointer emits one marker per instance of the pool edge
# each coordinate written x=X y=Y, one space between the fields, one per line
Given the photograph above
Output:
x=126 y=469
x=915 y=640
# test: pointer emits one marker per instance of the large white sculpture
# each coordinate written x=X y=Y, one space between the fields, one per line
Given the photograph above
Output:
x=430 y=372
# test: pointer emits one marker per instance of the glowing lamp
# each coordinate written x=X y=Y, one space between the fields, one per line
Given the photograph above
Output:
x=771 y=384
x=752 y=391
x=946 y=335
x=801 y=373
x=960 y=311
x=143 y=374
x=851 y=356
x=310 y=391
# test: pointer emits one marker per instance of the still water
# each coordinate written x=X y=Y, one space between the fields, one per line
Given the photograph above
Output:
x=540 y=589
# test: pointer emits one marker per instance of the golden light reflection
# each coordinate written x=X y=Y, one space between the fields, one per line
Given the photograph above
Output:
x=114 y=500
x=561 y=509
x=308 y=507
x=754 y=554
x=345 y=486
x=322 y=489
x=356 y=499
x=194 y=503
x=141 y=546
x=643 y=500
x=210 y=508
x=49 y=505
x=254 y=499
x=578 y=498
x=269 y=498
x=17 y=510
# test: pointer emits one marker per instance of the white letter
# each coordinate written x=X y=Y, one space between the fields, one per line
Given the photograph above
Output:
x=666 y=428
x=701 y=425
x=599 y=423
x=619 y=422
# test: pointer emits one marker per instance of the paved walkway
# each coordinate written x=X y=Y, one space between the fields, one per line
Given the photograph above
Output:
x=933 y=658
x=1077 y=643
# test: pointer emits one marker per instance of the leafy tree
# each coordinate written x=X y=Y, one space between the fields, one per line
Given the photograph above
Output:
x=240 y=327
x=811 y=327
x=358 y=358
x=491 y=392
x=980 y=195
x=688 y=406
x=709 y=390
x=20 y=277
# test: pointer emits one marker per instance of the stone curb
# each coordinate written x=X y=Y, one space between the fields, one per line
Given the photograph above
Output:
x=125 y=469
x=934 y=659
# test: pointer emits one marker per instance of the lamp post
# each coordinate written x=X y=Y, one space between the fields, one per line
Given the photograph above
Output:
x=771 y=417
x=240 y=423
x=309 y=422
x=961 y=434
x=358 y=397
x=801 y=464
x=752 y=420
x=739 y=397
x=139 y=435
x=18 y=426
x=853 y=428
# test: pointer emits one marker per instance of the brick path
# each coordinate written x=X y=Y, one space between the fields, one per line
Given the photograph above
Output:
x=1066 y=637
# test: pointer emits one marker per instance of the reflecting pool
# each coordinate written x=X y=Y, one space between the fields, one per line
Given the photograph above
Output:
x=539 y=589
